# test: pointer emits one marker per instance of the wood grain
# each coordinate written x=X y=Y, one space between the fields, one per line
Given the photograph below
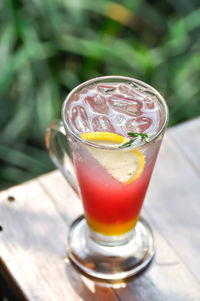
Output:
x=35 y=225
x=32 y=245
x=173 y=203
x=167 y=274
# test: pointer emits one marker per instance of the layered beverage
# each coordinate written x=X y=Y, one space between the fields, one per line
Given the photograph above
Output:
x=114 y=126
x=114 y=168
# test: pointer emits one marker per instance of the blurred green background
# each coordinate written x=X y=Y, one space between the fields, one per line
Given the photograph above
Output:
x=47 y=47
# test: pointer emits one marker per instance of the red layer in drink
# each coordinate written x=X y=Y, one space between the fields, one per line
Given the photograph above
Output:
x=111 y=207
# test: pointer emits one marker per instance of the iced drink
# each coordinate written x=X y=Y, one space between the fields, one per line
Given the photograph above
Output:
x=114 y=126
x=113 y=183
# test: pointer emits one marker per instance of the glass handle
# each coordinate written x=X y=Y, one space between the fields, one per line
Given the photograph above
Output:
x=58 y=154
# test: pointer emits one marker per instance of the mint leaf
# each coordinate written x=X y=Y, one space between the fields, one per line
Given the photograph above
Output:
x=142 y=135
x=134 y=135
x=127 y=144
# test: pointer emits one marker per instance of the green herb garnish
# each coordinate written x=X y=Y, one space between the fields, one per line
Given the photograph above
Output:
x=127 y=144
x=142 y=135
x=134 y=135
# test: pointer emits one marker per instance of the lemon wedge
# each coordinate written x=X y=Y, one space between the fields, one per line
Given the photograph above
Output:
x=124 y=166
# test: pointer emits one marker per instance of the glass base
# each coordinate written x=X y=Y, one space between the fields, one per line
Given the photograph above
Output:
x=107 y=260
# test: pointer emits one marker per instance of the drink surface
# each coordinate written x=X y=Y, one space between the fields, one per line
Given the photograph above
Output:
x=112 y=204
x=115 y=107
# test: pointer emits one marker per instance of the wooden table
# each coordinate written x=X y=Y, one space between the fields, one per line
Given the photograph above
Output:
x=35 y=217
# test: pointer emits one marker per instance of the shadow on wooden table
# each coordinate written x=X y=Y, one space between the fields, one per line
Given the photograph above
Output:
x=5 y=291
x=90 y=289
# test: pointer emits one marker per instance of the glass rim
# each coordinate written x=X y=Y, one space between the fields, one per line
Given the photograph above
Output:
x=112 y=77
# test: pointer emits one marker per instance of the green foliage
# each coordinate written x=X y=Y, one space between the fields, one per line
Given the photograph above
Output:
x=48 y=47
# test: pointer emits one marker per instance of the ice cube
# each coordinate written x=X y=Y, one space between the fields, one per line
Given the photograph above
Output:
x=75 y=97
x=124 y=105
x=106 y=89
x=120 y=119
x=97 y=104
x=131 y=93
x=85 y=90
x=80 y=119
x=102 y=124
x=124 y=89
x=138 y=125
x=149 y=105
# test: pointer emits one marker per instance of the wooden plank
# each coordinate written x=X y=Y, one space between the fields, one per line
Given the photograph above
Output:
x=173 y=196
x=165 y=278
x=173 y=207
x=32 y=246
x=9 y=284
x=35 y=226
x=64 y=198
x=187 y=137
x=173 y=203
x=89 y=289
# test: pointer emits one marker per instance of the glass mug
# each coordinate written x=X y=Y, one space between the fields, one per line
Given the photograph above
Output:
x=110 y=241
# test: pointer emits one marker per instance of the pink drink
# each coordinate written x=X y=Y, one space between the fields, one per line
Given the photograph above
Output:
x=112 y=207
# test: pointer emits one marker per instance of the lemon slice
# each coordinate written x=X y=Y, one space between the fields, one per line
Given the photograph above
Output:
x=104 y=138
x=125 y=166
